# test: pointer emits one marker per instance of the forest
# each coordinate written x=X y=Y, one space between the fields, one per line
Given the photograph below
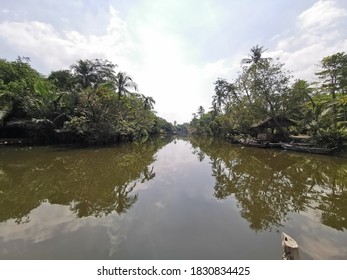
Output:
x=92 y=103
x=88 y=103
x=264 y=90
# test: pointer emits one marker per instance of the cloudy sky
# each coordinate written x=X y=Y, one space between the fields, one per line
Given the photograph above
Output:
x=173 y=49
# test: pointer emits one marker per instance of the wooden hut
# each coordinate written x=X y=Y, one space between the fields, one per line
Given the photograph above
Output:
x=271 y=129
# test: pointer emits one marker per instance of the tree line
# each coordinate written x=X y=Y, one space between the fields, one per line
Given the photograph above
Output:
x=93 y=103
x=264 y=89
x=88 y=103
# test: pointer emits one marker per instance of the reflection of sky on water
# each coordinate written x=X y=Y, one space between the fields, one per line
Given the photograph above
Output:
x=317 y=241
x=43 y=223
x=178 y=217
x=54 y=233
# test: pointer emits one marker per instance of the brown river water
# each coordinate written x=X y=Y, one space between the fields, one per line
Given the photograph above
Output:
x=194 y=198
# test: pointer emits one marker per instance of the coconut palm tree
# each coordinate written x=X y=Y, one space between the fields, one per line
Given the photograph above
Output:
x=93 y=72
x=84 y=72
x=123 y=82
x=255 y=57
x=148 y=103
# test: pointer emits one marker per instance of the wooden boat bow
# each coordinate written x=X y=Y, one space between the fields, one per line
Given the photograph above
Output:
x=290 y=247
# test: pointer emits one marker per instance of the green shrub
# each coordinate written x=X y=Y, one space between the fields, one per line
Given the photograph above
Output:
x=327 y=138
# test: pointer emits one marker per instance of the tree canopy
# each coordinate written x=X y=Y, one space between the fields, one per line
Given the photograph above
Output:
x=89 y=102
x=265 y=89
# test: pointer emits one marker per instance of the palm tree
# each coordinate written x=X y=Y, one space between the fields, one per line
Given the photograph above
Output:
x=84 y=72
x=123 y=81
x=255 y=56
x=148 y=103
x=93 y=72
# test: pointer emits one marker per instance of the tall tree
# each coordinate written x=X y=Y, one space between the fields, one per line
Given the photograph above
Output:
x=295 y=103
x=334 y=82
x=20 y=87
x=84 y=72
x=264 y=83
x=148 y=102
x=201 y=111
x=62 y=79
x=223 y=91
x=91 y=73
x=255 y=56
x=123 y=82
x=334 y=74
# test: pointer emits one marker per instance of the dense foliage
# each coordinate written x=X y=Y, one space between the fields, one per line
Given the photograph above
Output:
x=93 y=103
x=88 y=103
x=264 y=90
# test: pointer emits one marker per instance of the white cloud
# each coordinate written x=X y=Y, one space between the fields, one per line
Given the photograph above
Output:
x=320 y=15
x=152 y=46
x=320 y=31
x=158 y=62
x=61 y=49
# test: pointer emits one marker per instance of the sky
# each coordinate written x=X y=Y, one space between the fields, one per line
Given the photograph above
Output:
x=173 y=49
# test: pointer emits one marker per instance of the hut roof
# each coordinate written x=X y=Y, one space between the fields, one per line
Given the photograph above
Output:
x=270 y=123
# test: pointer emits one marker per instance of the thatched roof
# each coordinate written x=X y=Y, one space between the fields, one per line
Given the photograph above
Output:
x=270 y=123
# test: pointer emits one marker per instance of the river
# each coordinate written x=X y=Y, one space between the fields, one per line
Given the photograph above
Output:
x=194 y=198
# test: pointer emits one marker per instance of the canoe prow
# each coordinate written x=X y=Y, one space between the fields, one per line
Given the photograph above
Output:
x=288 y=241
x=290 y=247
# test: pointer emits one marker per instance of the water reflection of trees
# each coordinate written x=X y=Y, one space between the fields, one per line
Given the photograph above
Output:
x=269 y=184
x=90 y=181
